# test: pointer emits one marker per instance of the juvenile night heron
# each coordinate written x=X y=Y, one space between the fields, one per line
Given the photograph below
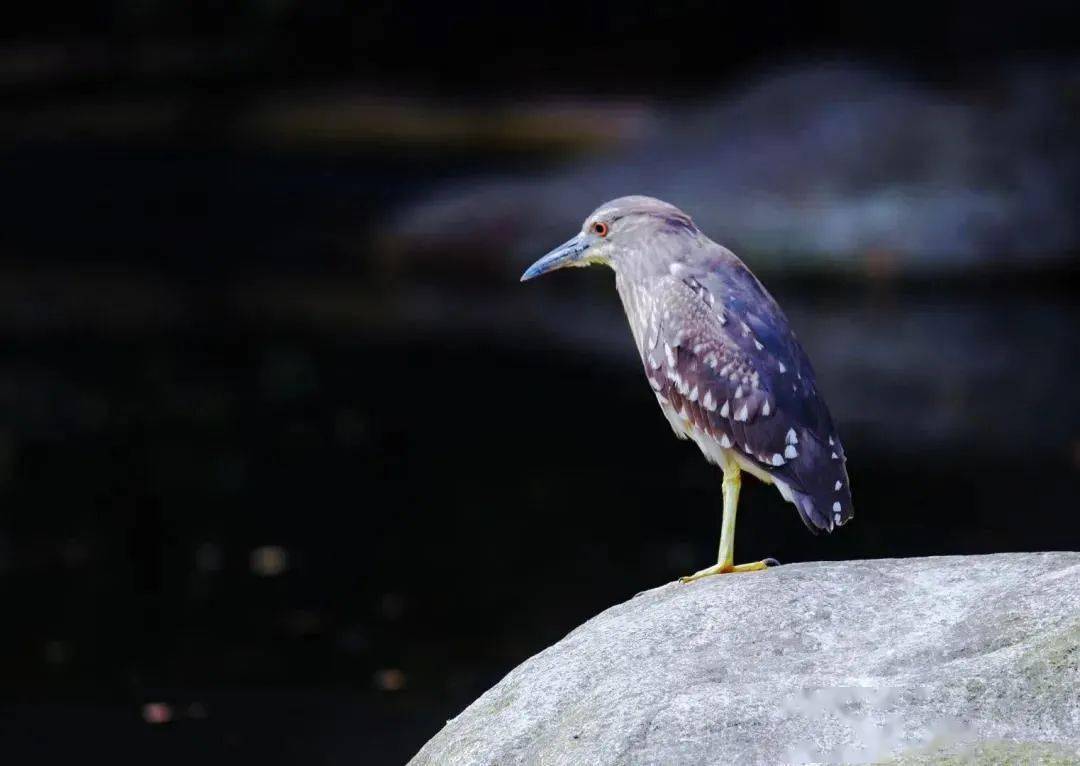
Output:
x=719 y=354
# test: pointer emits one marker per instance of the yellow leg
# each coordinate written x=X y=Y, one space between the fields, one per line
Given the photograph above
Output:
x=725 y=562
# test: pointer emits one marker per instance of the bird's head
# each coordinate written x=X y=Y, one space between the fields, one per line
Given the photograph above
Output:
x=617 y=232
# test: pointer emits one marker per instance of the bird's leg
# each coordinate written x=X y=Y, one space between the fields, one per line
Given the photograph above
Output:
x=726 y=558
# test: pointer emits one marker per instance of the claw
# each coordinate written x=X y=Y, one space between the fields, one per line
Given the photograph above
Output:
x=718 y=569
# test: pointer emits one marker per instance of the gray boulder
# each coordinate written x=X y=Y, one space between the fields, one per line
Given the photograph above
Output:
x=961 y=659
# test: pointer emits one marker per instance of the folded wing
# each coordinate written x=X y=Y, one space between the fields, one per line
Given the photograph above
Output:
x=718 y=350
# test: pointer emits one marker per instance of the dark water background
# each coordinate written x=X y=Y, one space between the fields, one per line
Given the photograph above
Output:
x=450 y=498
x=273 y=488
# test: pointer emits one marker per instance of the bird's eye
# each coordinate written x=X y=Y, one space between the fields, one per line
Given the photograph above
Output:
x=600 y=229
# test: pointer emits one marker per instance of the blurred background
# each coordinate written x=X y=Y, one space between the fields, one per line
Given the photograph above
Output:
x=292 y=468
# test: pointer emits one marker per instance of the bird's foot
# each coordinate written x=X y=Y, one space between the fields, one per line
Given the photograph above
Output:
x=716 y=569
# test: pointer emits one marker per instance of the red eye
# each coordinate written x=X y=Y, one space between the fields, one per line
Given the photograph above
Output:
x=600 y=229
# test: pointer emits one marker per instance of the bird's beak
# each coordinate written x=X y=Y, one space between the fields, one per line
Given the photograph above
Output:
x=569 y=253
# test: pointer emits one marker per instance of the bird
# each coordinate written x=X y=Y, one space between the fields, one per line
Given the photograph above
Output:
x=722 y=360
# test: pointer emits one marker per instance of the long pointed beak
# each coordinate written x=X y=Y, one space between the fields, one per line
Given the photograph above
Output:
x=566 y=254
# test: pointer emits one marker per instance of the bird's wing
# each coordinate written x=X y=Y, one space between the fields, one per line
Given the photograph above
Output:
x=722 y=355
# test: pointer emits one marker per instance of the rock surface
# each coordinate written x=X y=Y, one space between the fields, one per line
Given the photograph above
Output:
x=966 y=659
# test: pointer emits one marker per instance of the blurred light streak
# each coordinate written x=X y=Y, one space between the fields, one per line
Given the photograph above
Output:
x=269 y=561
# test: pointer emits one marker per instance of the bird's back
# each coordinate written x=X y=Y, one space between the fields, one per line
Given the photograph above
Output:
x=720 y=354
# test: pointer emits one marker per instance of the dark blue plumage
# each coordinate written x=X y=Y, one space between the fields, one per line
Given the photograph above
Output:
x=731 y=344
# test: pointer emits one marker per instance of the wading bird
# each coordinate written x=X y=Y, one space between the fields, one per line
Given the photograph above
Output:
x=725 y=366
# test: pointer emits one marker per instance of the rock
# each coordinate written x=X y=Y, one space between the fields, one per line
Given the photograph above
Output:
x=961 y=659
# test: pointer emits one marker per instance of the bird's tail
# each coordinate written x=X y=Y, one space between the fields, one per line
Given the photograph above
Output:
x=822 y=508
x=817 y=484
